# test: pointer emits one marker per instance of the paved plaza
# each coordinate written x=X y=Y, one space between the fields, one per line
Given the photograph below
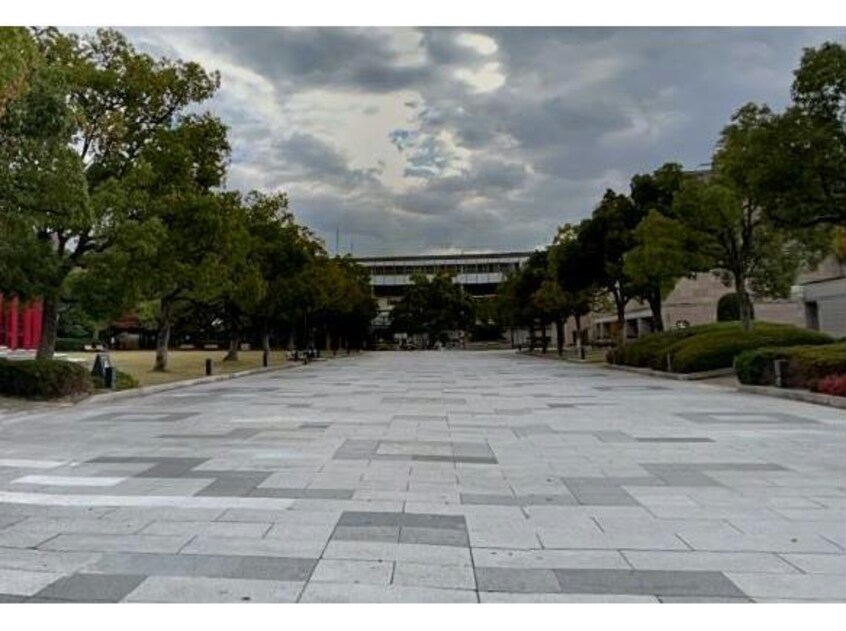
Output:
x=426 y=477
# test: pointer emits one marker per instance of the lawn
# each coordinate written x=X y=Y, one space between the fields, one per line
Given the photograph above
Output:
x=181 y=364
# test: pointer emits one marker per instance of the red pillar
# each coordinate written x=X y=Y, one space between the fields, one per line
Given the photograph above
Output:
x=12 y=329
x=36 y=324
x=26 y=314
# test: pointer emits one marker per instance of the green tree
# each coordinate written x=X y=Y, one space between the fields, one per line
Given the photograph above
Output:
x=664 y=252
x=193 y=230
x=570 y=267
x=746 y=251
x=605 y=238
x=18 y=56
x=432 y=306
x=70 y=150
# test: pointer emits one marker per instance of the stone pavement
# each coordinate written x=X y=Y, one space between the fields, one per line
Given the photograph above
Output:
x=426 y=477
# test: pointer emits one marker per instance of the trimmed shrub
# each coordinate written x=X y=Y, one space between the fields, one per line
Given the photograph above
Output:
x=40 y=379
x=833 y=384
x=71 y=344
x=804 y=367
x=123 y=381
x=711 y=346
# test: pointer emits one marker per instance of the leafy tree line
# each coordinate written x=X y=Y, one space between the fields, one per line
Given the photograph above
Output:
x=113 y=199
x=772 y=203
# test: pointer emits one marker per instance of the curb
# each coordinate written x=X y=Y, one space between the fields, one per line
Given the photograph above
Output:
x=554 y=355
x=795 y=395
x=677 y=376
x=186 y=383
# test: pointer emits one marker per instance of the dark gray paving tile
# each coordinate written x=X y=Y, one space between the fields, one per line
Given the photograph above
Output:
x=434 y=536
x=485 y=499
x=275 y=568
x=703 y=599
x=206 y=565
x=527 y=581
x=672 y=439
x=91 y=587
x=739 y=418
x=427 y=520
x=239 y=433
x=320 y=494
x=139 y=416
x=537 y=499
x=647 y=582
x=366 y=533
x=357 y=518
x=600 y=494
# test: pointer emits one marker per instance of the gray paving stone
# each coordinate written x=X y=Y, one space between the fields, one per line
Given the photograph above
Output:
x=90 y=588
x=433 y=536
x=516 y=580
x=538 y=465
x=357 y=593
x=647 y=582
x=345 y=571
x=173 y=589
x=366 y=533
x=431 y=575
x=24 y=582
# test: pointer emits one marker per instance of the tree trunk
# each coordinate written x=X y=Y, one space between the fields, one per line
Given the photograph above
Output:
x=49 y=327
x=162 y=340
x=544 y=340
x=532 y=338
x=744 y=302
x=655 y=307
x=578 y=318
x=234 y=347
x=265 y=339
x=559 y=335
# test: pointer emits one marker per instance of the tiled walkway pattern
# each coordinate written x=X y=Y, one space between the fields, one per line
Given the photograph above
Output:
x=426 y=477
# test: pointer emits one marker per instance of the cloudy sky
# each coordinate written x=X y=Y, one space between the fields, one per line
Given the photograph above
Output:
x=424 y=140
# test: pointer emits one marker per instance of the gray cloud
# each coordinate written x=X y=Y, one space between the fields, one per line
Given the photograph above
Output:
x=408 y=140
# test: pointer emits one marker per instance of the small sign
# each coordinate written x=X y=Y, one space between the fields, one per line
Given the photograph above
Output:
x=100 y=364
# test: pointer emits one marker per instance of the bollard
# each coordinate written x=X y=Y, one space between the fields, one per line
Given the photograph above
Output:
x=109 y=377
x=265 y=359
x=778 y=365
x=669 y=363
x=581 y=352
x=208 y=367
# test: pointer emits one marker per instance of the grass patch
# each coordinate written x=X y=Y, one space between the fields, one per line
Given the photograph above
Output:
x=181 y=364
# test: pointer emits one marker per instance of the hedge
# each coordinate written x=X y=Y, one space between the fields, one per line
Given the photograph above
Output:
x=804 y=367
x=71 y=344
x=710 y=346
x=123 y=381
x=43 y=379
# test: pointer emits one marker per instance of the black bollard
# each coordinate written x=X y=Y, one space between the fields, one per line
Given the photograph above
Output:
x=265 y=359
x=208 y=367
x=109 y=377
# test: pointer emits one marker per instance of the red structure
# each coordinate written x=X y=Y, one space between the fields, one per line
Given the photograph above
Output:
x=20 y=324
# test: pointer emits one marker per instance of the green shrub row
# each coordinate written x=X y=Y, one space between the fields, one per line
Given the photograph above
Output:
x=804 y=366
x=71 y=344
x=709 y=346
x=123 y=381
x=40 y=379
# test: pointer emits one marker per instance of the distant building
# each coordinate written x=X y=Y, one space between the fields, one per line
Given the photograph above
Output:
x=478 y=274
x=818 y=302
